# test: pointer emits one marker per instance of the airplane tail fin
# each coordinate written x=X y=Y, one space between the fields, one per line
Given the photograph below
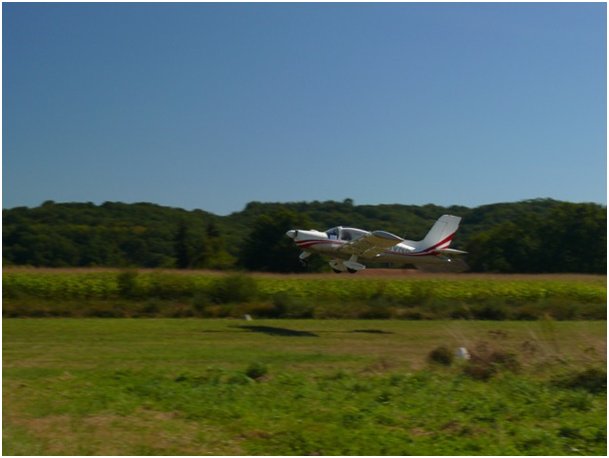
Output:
x=441 y=233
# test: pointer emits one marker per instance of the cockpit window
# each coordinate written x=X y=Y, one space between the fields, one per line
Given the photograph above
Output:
x=333 y=233
x=350 y=234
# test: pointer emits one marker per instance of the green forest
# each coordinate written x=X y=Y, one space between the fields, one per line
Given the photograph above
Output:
x=532 y=236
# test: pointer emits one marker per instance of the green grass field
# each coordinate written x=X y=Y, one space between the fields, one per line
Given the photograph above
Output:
x=300 y=387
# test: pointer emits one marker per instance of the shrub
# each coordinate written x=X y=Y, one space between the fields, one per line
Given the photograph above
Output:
x=127 y=283
x=151 y=308
x=288 y=306
x=216 y=311
x=179 y=310
x=200 y=301
x=527 y=313
x=561 y=310
x=441 y=355
x=104 y=310
x=593 y=380
x=504 y=360
x=414 y=314
x=256 y=371
x=376 y=312
x=339 y=311
x=233 y=288
x=461 y=312
x=593 y=311
x=169 y=286
x=494 y=312
x=479 y=371
x=485 y=363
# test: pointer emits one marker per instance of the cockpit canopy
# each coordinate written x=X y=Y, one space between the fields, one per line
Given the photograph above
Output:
x=345 y=233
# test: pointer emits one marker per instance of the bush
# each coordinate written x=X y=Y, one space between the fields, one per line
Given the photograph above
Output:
x=200 y=302
x=479 y=371
x=151 y=308
x=593 y=311
x=504 y=360
x=338 y=311
x=169 y=286
x=232 y=289
x=104 y=310
x=461 y=312
x=441 y=355
x=256 y=371
x=376 y=312
x=180 y=310
x=216 y=311
x=485 y=363
x=493 y=312
x=288 y=306
x=593 y=380
x=127 y=283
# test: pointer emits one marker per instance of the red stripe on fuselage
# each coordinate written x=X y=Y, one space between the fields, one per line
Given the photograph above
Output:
x=426 y=252
x=310 y=243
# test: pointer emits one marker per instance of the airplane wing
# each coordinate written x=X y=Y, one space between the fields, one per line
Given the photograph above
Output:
x=372 y=244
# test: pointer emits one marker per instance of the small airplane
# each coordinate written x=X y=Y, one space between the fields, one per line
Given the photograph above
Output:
x=347 y=246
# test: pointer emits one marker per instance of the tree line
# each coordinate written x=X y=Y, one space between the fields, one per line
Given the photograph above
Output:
x=540 y=235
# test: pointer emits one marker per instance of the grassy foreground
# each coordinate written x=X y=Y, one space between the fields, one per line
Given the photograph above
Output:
x=299 y=387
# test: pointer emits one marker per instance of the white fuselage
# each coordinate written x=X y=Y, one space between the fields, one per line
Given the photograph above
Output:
x=350 y=248
x=324 y=243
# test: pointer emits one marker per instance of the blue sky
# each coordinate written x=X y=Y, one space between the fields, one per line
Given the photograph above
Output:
x=214 y=105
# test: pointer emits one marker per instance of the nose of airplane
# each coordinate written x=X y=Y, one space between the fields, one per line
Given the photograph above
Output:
x=292 y=233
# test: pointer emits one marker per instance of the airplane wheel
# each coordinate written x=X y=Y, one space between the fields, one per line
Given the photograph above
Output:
x=336 y=271
x=351 y=271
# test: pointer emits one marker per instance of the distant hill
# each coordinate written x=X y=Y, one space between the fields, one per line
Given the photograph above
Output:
x=540 y=235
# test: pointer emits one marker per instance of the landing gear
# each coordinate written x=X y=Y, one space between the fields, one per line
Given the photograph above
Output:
x=337 y=266
x=303 y=258
x=351 y=266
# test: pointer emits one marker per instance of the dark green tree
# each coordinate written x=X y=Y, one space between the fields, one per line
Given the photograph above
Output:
x=574 y=239
x=539 y=235
x=267 y=248
x=569 y=238
x=216 y=256
x=190 y=249
x=508 y=248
